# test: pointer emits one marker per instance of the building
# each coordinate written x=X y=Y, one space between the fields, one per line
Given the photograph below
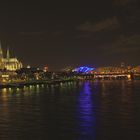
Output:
x=84 y=70
x=9 y=63
x=136 y=69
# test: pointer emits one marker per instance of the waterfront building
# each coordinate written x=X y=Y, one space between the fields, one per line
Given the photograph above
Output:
x=9 y=63
x=136 y=69
x=7 y=76
x=84 y=70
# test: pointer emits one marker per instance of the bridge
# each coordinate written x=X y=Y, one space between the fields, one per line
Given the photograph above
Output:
x=114 y=76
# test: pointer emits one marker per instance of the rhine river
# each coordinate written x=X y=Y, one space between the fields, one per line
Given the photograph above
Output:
x=92 y=110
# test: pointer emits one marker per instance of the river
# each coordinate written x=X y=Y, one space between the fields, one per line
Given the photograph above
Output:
x=91 y=110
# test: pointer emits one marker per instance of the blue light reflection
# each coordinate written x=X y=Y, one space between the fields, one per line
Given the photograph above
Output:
x=85 y=114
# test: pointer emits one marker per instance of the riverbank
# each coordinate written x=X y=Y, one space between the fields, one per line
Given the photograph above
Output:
x=28 y=83
x=20 y=84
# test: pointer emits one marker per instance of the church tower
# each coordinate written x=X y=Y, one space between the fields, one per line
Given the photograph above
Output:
x=1 y=52
x=1 y=57
x=8 y=63
x=8 y=54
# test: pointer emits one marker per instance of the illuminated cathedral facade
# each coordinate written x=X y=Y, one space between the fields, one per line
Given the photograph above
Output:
x=9 y=63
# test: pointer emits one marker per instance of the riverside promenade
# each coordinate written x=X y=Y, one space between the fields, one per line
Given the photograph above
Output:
x=22 y=83
x=34 y=82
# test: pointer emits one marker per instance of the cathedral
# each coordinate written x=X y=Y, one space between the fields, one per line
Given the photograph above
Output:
x=9 y=63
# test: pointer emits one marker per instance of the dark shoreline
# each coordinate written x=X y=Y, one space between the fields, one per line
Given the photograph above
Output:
x=52 y=82
x=22 y=84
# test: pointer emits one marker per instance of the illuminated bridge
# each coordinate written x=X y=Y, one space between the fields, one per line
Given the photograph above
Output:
x=107 y=73
x=113 y=76
x=85 y=72
x=103 y=76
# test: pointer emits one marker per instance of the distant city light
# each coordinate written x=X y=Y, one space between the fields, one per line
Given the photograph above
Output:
x=45 y=69
x=28 y=67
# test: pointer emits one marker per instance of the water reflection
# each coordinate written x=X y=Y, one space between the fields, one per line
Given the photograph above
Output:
x=85 y=113
x=5 y=93
x=71 y=111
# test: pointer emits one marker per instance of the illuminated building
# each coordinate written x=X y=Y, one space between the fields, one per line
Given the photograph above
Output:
x=28 y=67
x=7 y=76
x=136 y=69
x=9 y=63
x=45 y=69
x=83 y=69
x=68 y=69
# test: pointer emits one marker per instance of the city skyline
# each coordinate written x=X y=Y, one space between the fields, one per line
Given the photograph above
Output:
x=98 y=34
x=7 y=52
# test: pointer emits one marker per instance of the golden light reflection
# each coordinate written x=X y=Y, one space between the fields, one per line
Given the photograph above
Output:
x=17 y=89
x=10 y=89
x=4 y=94
x=61 y=84
x=42 y=85
x=129 y=77
x=37 y=88
x=4 y=90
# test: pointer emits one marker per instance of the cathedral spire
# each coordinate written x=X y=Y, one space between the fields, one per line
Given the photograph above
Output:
x=1 y=52
x=8 y=54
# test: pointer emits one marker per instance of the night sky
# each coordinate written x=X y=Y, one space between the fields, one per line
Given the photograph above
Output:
x=60 y=34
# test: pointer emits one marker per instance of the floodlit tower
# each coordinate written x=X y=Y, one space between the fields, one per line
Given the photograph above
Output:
x=8 y=54
x=1 y=52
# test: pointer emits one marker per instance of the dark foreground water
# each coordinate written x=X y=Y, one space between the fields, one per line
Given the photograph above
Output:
x=105 y=110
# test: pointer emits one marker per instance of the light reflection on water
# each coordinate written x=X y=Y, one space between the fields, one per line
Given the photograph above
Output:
x=85 y=113
x=94 y=110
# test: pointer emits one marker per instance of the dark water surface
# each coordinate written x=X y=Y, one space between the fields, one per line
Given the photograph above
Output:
x=99 y=110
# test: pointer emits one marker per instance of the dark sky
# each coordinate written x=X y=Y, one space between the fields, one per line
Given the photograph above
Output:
x=60 y=34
